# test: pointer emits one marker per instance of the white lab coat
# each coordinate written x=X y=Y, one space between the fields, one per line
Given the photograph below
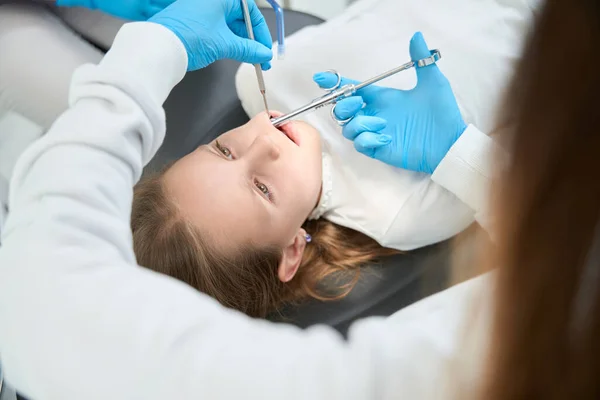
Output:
x=80 y=320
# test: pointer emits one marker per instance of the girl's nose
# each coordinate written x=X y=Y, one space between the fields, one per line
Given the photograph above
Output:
x=263 y=149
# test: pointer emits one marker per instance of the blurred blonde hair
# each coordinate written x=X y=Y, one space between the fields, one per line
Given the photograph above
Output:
x=247 y=279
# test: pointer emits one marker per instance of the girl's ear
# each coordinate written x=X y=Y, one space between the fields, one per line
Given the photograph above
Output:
x=292 y=257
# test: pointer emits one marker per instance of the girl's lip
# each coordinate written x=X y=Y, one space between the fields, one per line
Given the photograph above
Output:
x=288 y=129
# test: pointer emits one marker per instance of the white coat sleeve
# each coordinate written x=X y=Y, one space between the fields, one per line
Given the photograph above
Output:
x=466 y=171
x=80 y=320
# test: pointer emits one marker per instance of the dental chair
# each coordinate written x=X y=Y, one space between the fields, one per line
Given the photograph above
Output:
x=204 y=105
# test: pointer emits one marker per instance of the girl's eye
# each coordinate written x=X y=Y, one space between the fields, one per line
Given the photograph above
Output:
x=224 y=150
x=264 y=189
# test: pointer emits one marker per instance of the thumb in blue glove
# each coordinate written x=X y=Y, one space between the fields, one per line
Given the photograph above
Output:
x=411 y=129
x=135 y=10
x=215 y=29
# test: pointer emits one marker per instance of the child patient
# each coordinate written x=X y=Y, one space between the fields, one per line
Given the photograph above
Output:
x=260 y=216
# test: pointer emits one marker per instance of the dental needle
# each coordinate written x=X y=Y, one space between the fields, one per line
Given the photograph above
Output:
x=257 y=68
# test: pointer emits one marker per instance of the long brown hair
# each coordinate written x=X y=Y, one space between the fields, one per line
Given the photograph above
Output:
x=546 y=341
x=247 y=279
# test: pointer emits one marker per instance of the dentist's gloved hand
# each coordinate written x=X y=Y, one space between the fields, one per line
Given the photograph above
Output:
x=135 y=10
x=410 y=129
x=212 y=30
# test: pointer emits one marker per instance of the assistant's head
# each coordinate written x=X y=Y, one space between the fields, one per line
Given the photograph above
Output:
x=218 y=216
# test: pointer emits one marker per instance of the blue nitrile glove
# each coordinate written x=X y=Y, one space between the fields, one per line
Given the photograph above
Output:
x=212 y=30
x=135 y=10
x=411 y=129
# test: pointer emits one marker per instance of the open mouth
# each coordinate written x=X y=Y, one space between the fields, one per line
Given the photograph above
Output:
x=288 y=129
x=291 y=132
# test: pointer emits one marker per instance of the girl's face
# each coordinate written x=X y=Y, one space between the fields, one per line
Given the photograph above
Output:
x=254 y=184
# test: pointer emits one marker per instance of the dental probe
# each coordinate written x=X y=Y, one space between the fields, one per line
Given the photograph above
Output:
x=257 y=68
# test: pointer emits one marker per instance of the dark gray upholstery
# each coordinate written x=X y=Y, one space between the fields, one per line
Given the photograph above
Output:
x=382 y=290
x=205 y=105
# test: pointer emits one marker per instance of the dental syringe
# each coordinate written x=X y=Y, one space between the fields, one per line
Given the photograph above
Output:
x=338 y=91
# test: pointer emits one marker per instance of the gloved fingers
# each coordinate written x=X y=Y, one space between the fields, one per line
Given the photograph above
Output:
x=155 y=6
x=326 y=80
x=151 y=10
x=247 y=51
x=368 y=142
x=259 y=25
x=261 y=31
x=239 y=29
x=418 y=51
x=348 y=107
x=160 y=3
x=363 y=123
